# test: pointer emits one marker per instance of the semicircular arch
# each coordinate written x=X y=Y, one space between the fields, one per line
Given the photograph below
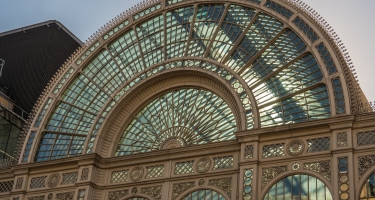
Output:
x=279 y=62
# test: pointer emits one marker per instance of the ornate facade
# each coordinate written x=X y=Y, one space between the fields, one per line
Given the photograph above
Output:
x=182 y=99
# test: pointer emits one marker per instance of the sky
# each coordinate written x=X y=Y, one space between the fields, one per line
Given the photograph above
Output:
x=352 y=20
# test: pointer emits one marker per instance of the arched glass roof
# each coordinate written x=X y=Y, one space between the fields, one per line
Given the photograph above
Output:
x=265 y=55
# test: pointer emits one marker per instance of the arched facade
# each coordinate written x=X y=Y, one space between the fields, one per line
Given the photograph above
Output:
x=178 y=96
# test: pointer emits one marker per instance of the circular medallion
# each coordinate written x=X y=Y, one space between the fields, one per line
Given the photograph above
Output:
x=295 y=166
x=134 y=190
x=53 y=180
x=201 y=182
x=295 y=147
x=50 y=195
x=203 y=165
x=136 y=173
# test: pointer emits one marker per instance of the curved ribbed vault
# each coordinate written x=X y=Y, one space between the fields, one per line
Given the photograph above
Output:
x=278 y=63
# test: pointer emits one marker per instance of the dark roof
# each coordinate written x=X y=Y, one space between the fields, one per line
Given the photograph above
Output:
x=32 y=55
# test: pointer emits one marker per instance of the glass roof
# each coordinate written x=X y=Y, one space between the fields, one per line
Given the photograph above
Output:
x=273 y=66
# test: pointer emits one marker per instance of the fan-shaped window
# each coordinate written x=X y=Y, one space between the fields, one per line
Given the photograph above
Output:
x=368 y=189
x=299 y=187
x=204 y=194
x=178 y=118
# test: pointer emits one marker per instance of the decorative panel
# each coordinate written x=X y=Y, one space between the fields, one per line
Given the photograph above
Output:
x=65 y=196
x=323 y=168
x=273 y=150
x=179 y=188
x=279 y=8
x=85 y=174
x=223 y=162
x=19 y=183
x=154 y=171
x=269 y=173
x=249 y=151
x=327 y=59
x=309 y=32
x=247 y=184
x=318 y=144
x=366 y=138
x=119 y=176
x=6 y=186
x=154 y=191
x=339 y=95
x=116 y=195
x=225 y=184
x=185 y=167
x=342 y=139
x=69 y=178
x=365 y=163
x=38 y=182
x=343 y=178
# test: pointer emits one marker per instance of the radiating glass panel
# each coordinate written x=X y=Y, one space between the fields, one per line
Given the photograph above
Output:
x=309 y=105
x=186 y=116
x=206 y=23
x=55 y=146
x=235 y=22
x=264 y=29
x=177 y=31
x=299 y=186
x=151 y=38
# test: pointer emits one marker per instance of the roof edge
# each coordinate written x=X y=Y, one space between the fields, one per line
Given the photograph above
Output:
x=45 y=23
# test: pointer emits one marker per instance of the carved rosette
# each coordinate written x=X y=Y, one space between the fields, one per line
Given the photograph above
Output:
x=203 y=165
x=53 y=180
x=136 y=173
x=201 y=182
x=295 y=147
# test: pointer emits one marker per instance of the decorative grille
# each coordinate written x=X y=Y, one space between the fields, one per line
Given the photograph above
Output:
x=6 y=186
x=154 y=191
x=155 y=171
x=223 y=183
x=343 y=178
x=69 y=178
x=223 y=162
x=279 y=8
x=310 y=33
x=180 y=188
x=326 y=57
x=269 y=173
x=365 y=163
x=81 y=194
x=38 y=182
x=85 y=174
x=249 y=151
x=342 y=139
x=184 y=167
x=247 y=184
x=366 y=138
x=339 y=95
x=119 y=176
x=19 y=183
x=147 y=11
x=318 y=144
x=65 y=196
x=273 y=150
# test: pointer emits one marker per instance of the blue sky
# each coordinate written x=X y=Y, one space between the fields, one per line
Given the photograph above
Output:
x=352 y=21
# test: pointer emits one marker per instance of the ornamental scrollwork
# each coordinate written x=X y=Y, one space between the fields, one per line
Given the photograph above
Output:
x=323 y=168
x=223 y=183
x=269 y=173
x=154 y=191
x=65 y=196
x=365 y=163
x=179 y=188
x=115 y=195
x=36 y=198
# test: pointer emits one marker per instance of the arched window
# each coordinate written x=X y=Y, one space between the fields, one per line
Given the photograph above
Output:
x=299 y=186
x=368 y=189
x=204 y=194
